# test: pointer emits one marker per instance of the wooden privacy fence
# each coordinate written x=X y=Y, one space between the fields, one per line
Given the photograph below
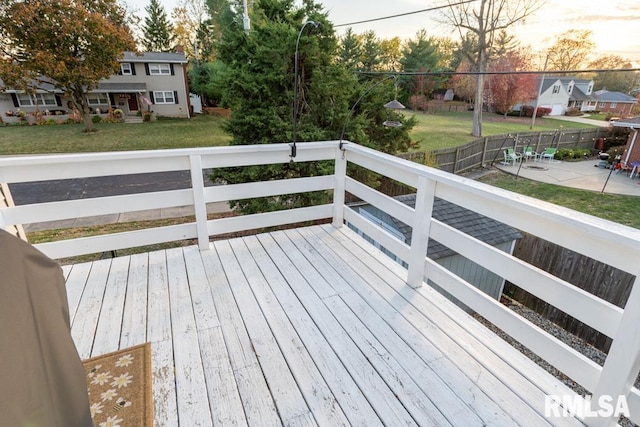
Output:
x=597 y=278
x=489 y=149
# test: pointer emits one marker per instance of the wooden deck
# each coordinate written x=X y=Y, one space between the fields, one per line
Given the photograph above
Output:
x=301 y=327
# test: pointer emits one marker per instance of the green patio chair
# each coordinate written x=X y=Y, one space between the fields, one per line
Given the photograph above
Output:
x=549 y=153
x=511 y=157
x=528 y=153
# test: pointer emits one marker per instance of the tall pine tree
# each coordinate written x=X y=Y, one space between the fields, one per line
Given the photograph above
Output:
x=158 y=31
x=260 y=92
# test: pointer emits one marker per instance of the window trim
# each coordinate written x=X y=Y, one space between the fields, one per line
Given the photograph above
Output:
x=556 y=89
x=39 y=99
x=159 y=69
x=126 y=66
x=161 y=94
x=99 y=95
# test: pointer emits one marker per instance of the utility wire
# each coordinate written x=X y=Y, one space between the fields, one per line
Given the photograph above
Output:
x=489 y=73
x=404 y=14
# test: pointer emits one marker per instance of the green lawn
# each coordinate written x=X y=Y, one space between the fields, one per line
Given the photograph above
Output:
x=433 y=131
x=201 y=131
x=614 y=207
x=449 y=129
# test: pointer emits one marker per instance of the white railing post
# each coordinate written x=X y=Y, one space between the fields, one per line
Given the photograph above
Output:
x=339 y=188
x=623 y=361
x=199 y=205
x=420 y=233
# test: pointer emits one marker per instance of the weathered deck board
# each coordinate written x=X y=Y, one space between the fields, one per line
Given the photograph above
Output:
x=301 y=327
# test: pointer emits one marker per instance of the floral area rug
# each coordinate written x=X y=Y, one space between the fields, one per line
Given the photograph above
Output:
x=119 y=386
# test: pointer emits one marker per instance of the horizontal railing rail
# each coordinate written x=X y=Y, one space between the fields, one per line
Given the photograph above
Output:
x=602 y=240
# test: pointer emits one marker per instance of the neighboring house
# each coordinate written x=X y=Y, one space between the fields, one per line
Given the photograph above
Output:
x=150 y=81
x=481 y=227
x=631 y=152
x=617 y=103
x=561 y=93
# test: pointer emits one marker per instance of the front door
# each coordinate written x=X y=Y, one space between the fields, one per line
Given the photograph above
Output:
x=133 y=102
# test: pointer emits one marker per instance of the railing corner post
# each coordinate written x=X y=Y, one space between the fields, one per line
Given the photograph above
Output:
x=339 y=187
x=621 y=367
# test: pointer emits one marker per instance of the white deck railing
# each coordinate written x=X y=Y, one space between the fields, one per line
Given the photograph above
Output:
x=605 y=241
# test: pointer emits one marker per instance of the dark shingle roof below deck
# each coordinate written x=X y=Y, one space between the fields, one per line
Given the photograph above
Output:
x=472 y=223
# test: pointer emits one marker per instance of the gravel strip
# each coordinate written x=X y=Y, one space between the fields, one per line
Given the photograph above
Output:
x=566 y=337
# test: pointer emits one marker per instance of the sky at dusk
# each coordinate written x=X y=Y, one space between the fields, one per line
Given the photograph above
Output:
x=615 y=23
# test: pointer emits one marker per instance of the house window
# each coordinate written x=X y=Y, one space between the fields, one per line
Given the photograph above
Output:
x=159 y=69
x=97 y=99
x=46 y=99
x=590 y=88
x=570 y=88
x=125 y=69
x=602 y=104
x=556 y=88
x=613 y=105
x=164 y=97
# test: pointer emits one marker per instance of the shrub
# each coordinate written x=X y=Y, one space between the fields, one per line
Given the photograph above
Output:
x=527 y=111
x=418 y=103
x=50 y=122
x=573 y=111
x=96 y=119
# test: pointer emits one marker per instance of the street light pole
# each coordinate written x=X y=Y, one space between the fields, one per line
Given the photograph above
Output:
x=535 y=110
x=295 y=88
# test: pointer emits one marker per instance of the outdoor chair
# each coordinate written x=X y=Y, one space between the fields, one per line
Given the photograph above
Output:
x=528 y=153
x=511 y=157
x=549 y=153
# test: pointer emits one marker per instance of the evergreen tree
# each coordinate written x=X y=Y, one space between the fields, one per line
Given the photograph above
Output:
x=350 y=50
x=503 y=45
x=260 y=92
x=158 y=31
x=419 y=54
x=371 y=52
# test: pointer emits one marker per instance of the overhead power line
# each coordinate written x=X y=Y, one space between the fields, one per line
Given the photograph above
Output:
x=488 y=73
x=404 y=14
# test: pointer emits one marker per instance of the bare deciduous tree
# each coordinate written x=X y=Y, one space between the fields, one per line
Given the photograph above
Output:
x=485 y=19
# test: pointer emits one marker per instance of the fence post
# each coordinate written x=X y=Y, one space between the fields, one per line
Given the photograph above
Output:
x=421 y=230
x=485 y=141
x=455 y=161
x=579 y=139
x=199 y=205
x=339 y=187
x=623 y=361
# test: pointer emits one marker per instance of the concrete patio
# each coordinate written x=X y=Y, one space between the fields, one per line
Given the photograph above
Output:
x=582 y=174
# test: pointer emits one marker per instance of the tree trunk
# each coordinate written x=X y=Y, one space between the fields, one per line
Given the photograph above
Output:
x=477 y=107
x=86 y=118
